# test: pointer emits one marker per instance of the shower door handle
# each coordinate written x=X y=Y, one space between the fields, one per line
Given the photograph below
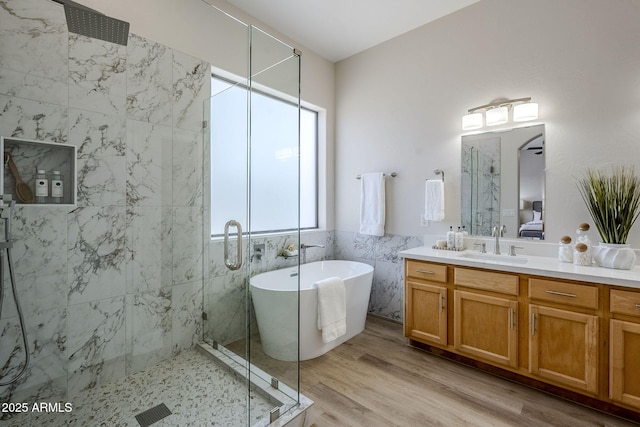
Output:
x=233 y=265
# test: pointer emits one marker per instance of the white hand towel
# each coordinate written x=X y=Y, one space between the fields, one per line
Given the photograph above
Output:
x=332 y=308
x=372 y=204
x=434 y=200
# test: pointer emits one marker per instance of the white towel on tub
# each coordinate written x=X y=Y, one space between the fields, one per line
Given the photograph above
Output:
x=332 y=308
x=372 y=201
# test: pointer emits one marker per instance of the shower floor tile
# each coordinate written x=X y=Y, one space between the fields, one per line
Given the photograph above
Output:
x=195 y=388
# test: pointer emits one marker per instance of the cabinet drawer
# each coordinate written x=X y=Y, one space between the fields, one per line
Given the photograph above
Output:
x=486 y=280
x=427 y=271
x=625 y=302
x=564 y=293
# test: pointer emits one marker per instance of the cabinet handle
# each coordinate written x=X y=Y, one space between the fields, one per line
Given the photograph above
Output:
x=637 y=305
x=425 y=271
x=512 y=318
x=533 y=324
x=441 y=303
x=562 y=294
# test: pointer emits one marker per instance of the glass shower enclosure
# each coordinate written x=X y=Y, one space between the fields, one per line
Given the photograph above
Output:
x=251 y=165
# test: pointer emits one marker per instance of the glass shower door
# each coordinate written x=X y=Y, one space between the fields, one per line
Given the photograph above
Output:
x=480 y=182
x=253 y=212
x=275 y=203
x=227 y=270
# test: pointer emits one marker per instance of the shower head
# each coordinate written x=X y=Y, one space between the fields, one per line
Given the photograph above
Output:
x=87 y=22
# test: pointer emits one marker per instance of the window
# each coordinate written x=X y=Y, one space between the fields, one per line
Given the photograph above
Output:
x=273 y=164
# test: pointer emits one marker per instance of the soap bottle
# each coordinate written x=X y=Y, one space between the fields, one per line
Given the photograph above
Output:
x=57 y=187
x=42 y=186
x=459 y=239
x=451 y=239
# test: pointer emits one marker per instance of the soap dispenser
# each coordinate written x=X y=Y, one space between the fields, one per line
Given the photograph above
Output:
x=459 y=239
x=451 y=238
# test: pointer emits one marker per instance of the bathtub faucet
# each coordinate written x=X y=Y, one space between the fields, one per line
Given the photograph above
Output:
x=304 y=247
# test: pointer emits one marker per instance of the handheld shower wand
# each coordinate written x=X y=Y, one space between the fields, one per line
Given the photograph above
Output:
x=6 y=212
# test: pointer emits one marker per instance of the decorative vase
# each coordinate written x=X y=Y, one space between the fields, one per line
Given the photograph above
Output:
x=612 y=255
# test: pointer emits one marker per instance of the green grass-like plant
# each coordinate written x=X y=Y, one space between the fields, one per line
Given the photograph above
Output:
x=613 y=201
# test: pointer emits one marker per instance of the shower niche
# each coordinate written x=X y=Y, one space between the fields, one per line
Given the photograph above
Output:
x=22 y=158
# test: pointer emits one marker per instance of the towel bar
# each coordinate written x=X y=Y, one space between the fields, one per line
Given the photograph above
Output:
x=392 y=174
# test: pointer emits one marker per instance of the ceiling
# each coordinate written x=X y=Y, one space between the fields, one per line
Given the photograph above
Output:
x=337 y=29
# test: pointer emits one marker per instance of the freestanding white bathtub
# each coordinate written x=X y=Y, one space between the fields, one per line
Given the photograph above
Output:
x=275 y=300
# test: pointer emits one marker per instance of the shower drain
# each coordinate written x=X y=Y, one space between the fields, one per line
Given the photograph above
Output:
x=153 y=415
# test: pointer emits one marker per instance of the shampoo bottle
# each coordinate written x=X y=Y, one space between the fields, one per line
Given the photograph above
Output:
x=42 y=186
x=57 y=187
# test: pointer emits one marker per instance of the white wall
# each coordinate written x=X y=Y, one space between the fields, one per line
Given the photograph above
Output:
x=196 y=28
x=399 y=104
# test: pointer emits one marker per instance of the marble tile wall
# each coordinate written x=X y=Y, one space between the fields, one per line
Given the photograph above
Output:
x=114 y=284
x=387 y=290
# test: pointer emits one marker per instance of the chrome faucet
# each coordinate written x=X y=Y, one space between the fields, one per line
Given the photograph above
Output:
x=512 y=249
x=498 y=232
x=304 y=247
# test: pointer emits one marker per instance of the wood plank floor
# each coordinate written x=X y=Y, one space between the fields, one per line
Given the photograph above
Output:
x=376 y=379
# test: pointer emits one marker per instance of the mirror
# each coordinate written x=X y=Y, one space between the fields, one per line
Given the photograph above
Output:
x=503 y=181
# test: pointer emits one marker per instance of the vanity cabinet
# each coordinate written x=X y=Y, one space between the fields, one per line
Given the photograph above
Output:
x=579 y=340
x=485 y=327
x=428 y=316
x=426 y=302
x=484 y=323
x=624 y=355
x=563 y=341
x=563 y=347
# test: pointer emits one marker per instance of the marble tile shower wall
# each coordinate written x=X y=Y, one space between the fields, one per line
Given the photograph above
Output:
x=387 y=290
x=115 y=284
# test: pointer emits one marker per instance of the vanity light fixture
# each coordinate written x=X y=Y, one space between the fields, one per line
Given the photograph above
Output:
x=497 y=113
x=472 y=121
x=525 y=112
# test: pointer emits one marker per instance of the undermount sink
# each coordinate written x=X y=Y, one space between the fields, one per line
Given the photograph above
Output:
x=495 y=258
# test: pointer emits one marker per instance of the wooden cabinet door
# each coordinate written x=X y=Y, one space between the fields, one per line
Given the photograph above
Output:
x=563 y=347
x=624 y=362
x=426 y=313
x=485 y=327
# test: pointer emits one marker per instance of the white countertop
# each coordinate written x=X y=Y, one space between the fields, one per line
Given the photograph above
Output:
x=541 y=266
